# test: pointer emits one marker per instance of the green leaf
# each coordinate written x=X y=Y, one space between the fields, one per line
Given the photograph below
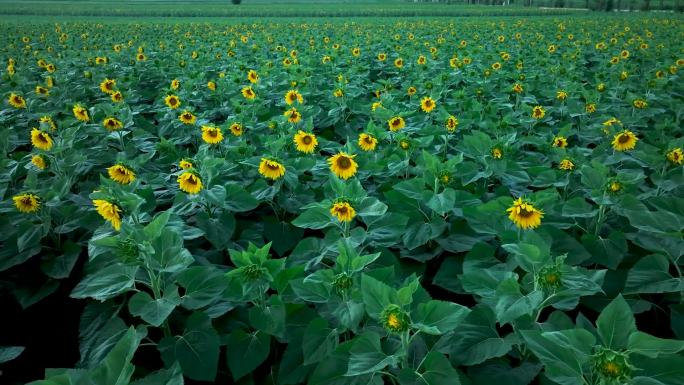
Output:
x=443 y=202
x=366 y=355
x=561 y=364
x=116 y=369
x=664 y=370
x=578 y=208
x=246 y=351
x=154 y=311
x=196 y=350
x=475 y=340
x=60 y=266
x=203 y=285
x=106 y=283
x=314 y=218
x=650 y=346
x=412 y=188
x=376 y=295
x=8 y=353
x=238 y=199
x=651 y=275
x=154 y=228
x=170 y=376
x=439 y=317
x=319 y=341
x=616 y=323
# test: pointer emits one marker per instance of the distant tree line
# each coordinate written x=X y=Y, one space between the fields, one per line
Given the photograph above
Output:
x=597 y=5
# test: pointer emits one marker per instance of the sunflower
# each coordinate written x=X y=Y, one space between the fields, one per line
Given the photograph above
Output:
x=676 y=156
x=293 y=96
x=399 y=62
x=625 y=140
x=367 y=142
x=451 y=124
x=496 y=66
x=421 y=60
x=42 y=91
x=590 y=108
x=394 y=319
x=517 y=88
x=236 y=129
x=38 y=161
x=41 y=140
x=356 y=52
x=293 y=116
x=190 y=182
x=112 y=124
x=497 y=153
x=211 y=134
x=560 y=142
x=172 y=101
x=614 y=186
x=566 y=165
x=427 y=104
x=187 y=118
x=211 y=85
x=271 y=169
x=117 y=97
x=343 y=211
x=411 y=91
x=343 y=165
x=376 y=105
x=252 y=76
x=185 y=164
x=248 y=93
x=338 y=93
x=107 y=86
x=101 y=60
x=524 y=214
x=16 y=101
x=26 y=202
x=81 y=113
x=306 y=142
x=538 y=112
x=141 y=57
x=640 y=103
x=382 y=56
x=121 y=174
x=51 y=68
x=561 y=95
x=396 y=123
x=109 y=211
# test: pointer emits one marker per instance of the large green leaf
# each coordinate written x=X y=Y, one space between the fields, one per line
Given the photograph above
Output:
x=616 y=323
x=196 y=350
x=246 y=351
x=106 y=283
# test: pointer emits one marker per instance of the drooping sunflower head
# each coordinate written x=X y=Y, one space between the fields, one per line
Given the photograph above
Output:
x=271 y=168
x=81 y=113
x=367 y=142
x=524 y=215
x=394 y=319
x=252 y=76
x=306 y=142
x=117 y=97
x=109 y=211
x=41 y=139
x=248 y=93
x=38 y=161
x=237 y=129
x=212 y=134
x=172 y=101
x=107 y=86
x=538 y=112
x=427 y=104
x=343 y=211
x=16 y=101
x=26 y=202
x=112 y=124
x=676 y=156
x=293 y=116
x=560 y=142
x=187 y=117
x=343 y=165
x=119 y=173
x=190 y=182
x=566 y=165
x=624 y=141
x=42 y=91
x=451 y=124
x=396 y=123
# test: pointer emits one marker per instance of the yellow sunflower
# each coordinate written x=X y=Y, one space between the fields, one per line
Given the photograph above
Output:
x=271 y=169
x=427 y=104
x=396 y=123
x=306 y=142
x=109 y=211
x=343 y=211
x=16 y=101
x=367 y=142
x=81 y=113
x=185 y=164
x=560 y=142
x=451 y=124
x=624 y=141
x=26 y=202
x=517 y=88
x=248 y=93
x=39 y=162
x=41 y=140
x=172 y=101
x=293 y=116
x=42 y=91
x=186 y=117
x=566 y=165
x=640 y=103
x=211 y=134
x=343 y=165
x=236 y=129
x=112 y=124
x=121 y=174
x=676 y=156
x=538 y=112
x=561 y=95
x=107 y=86
x=117 y=97
x=252 y=76
x=190 y=182
x=399 y=62
x=497 y=153
x=524 y=214
x=175 y=84
x=411 y=91
x=47 y=121
x=293 y=96
x=211 y=85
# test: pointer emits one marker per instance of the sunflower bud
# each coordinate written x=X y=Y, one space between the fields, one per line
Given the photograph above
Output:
x=342 y=282
x=394 y=319
x=253 y=272
x=611 y=366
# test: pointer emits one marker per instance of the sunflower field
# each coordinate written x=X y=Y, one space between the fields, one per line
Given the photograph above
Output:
x=406 y=201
